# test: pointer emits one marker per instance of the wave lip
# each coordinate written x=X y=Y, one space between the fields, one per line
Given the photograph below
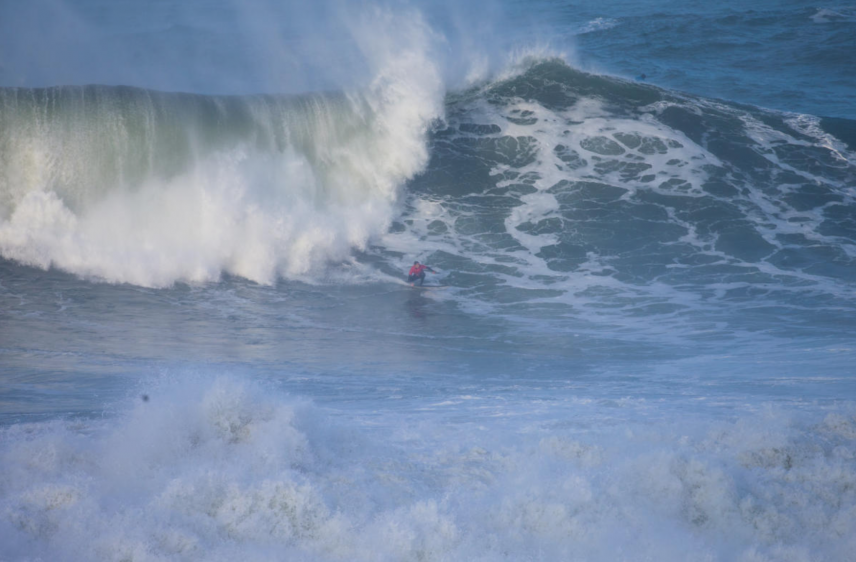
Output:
x=129 y=185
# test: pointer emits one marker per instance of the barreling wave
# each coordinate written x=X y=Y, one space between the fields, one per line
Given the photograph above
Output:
x=131 y=185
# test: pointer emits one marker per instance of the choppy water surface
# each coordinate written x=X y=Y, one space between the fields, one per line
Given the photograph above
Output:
x=638 y=344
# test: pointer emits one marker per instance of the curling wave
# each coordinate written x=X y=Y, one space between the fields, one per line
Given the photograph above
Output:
x=129 y=185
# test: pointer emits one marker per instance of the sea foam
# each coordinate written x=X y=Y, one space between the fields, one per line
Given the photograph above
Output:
x=215 y=467
x=129 y=185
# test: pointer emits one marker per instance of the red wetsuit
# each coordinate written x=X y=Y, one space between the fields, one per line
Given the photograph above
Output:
x=417 y=273
x=416 y=270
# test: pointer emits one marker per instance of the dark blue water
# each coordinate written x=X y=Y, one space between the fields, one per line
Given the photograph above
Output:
x=789 y=55
x=793 y=55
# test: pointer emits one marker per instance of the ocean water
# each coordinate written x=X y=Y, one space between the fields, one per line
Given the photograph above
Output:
x=638 y=345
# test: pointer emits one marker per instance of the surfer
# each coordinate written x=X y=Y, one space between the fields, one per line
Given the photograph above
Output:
x=417 y=273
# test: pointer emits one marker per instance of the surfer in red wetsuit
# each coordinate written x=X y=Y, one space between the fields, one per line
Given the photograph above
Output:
x=417 y=273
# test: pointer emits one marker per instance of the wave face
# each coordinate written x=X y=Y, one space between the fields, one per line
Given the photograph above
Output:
x=573 y=195
x=548 y=190
x=130 y=185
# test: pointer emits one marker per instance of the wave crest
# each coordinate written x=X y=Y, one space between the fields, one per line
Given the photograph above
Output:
x=130 y=185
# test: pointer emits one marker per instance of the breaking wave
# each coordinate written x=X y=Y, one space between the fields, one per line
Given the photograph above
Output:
x=129 y=185
x=221 y=468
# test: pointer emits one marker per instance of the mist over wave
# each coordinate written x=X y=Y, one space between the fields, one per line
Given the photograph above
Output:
x=542 y=171
x=551 y=194
x=130 y=185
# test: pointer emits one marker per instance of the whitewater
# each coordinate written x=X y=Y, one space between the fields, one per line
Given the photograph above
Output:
x=638 y=343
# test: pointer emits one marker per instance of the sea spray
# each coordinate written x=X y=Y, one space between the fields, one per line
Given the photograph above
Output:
x=130 y=185
x=213 y=465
